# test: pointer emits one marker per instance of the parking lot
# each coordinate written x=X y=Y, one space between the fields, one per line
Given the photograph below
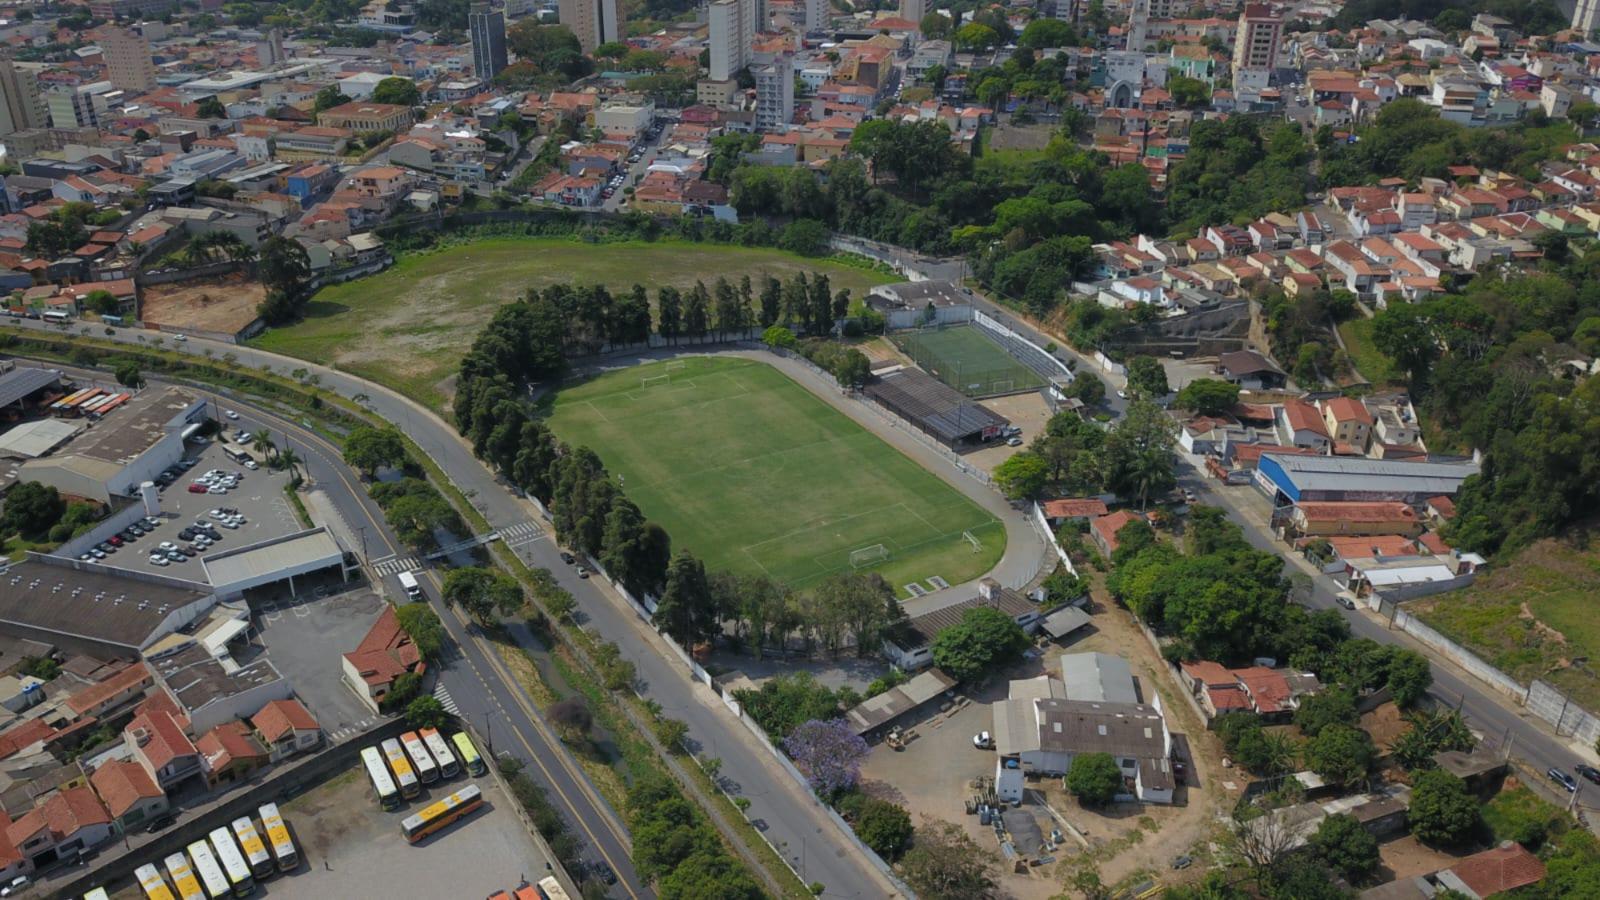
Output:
x=258 y=497
x=354 y=849
x=307 y=636
x=350 y=847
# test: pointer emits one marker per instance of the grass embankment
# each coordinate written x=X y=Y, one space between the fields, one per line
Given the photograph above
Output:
x=1531 y=617
x=409 y=326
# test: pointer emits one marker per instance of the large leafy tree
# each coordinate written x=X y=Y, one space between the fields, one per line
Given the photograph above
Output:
x=1208 y=396
x=1442 y=810
x=1138 y=453
x=31 y=508
x=686 y=611
x=1342 y=754
x=370 y=449
x=1344 y=845
x=829 y=753
x=1094 y=778
x=984 y=639
x=397 y=90
x=1023 y=476
x=946 y=862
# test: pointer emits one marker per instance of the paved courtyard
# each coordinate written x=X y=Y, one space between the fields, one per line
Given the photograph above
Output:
x=306 y=638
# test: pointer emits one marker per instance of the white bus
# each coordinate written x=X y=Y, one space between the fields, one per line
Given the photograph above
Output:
x=408 y=582
x=99 y=893
x=378 y=774
x=440 y=748
x=183 y=878
x=55 y=315
x=205 y=865
x=404 y=775
x=278 y=836
x=233 y=864
x=155 y=887
x=552 y=889
x=427 y=769
x=255 y=850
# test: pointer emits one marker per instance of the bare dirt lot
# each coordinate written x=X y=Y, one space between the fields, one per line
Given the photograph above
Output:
x=226 y=304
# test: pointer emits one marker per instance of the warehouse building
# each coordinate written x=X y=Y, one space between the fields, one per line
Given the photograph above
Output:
x=83 y=607
x=116 y=454
x=1295 y=478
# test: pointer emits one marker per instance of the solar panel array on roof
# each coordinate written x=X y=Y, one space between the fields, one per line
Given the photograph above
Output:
x=22 y=381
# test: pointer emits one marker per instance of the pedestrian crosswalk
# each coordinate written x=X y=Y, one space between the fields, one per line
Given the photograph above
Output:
x=524 y=532
x=394 y=565
x=441 y=694
x=346 y=732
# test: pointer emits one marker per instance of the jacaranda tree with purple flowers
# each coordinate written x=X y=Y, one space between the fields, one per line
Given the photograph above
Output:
x=829 y=754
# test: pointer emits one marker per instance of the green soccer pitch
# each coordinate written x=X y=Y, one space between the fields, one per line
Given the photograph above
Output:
x=965 y=358
x=754 y=474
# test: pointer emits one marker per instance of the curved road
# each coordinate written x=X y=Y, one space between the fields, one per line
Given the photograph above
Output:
x=472 y=672
x=789 y=816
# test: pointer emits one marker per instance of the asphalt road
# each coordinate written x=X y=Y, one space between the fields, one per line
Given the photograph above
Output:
x=789 y=816
x=472 y=673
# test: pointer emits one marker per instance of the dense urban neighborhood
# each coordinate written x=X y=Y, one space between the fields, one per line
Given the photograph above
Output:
x=793 y=448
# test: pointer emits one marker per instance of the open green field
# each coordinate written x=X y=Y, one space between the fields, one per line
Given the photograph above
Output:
x=966 y=359
x=754 y=474
x=1530 y=617
x=1365 y=356
x=409 y=326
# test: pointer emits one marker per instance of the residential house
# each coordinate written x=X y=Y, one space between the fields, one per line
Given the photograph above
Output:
x=1273 y=694
x=1302 y=425
x=230 y=753
x=1103 y=530
x=130 y=795
x=1250 y=370
x=286 y=728
x=157 y=743
x=1348 y=421
x=383 y=655
x=62 y=828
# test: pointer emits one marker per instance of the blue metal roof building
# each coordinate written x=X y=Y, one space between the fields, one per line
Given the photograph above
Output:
x=1295 y=478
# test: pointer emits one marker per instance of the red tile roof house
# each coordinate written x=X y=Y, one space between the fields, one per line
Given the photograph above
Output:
x=231 y=753
x=67 y=824
x=1493 y=872
x=286 y=728
x=1269 y=693
x=383 y=655
x=160 y=746
x=1104 y=529
x=1072 y=510
x=129 y=793
x=12 y=862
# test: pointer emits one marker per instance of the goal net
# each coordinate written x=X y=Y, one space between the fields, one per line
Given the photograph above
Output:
x=867 y=556
x=1004 y=387
x=969 y=537
x=649 y=380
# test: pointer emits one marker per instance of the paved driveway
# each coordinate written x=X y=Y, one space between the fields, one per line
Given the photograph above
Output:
x=306 y=639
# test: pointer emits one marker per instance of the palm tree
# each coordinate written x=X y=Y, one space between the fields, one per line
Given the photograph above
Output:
x=289 y=459
x=263 y=444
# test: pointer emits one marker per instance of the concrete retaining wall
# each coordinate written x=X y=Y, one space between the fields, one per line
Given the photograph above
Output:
x=1459 y=655
x=1567 y=718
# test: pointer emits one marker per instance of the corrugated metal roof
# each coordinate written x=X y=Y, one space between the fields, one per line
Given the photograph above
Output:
x=35 y=439
x=1344 y=473
x=1098 y=677
x=24 y=380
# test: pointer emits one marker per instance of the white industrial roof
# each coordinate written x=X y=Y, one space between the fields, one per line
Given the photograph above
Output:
x=274 y=560
x=35 y=439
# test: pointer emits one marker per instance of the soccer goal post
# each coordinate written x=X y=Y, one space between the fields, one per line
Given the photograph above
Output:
x=969 y=537
x=867 y=556
x=1004 y=386
x=649 y=380
x=675 y=366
